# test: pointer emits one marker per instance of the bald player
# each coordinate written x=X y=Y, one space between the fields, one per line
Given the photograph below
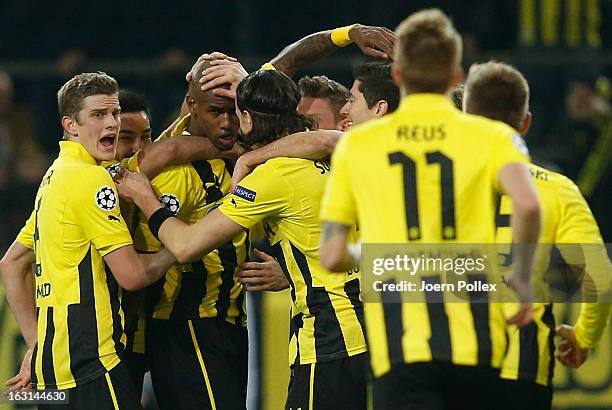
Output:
x=196 y=338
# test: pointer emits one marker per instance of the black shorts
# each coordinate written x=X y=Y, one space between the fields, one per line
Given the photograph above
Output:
x=518 y=394
x=331 y=385
x=137 y=366
x=437 y=386
x=195 y=363
x=112 y=391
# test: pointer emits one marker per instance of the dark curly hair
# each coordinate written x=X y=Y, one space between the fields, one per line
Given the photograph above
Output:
x=271 y=98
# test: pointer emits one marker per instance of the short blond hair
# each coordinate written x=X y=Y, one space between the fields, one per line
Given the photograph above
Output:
x=70 y=97
x=497 y=91
x=428 y=51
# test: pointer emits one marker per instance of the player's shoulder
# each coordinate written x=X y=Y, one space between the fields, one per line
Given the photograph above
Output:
x=487 y=124
x=556 y=182
x=91 y=182
x=90 y=174
x=296 y=167
x=273 y=169
x=276 y=170
x=175 y=171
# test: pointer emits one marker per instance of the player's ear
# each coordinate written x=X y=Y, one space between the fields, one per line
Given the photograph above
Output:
x=189 y=101
x=525 y=124
x=246 y=122
x=69 y=125
x=382 y=107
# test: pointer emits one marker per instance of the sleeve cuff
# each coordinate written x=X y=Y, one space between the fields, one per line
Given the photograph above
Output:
x=245 y=222
x=105 y=250
x=336 y=215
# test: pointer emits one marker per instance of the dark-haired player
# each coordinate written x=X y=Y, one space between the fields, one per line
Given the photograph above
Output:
x=373 y=93
x=327 y=342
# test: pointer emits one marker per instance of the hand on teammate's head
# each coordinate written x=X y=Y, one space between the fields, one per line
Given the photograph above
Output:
x=374 y=41
x=215 y=55
x=223 y=72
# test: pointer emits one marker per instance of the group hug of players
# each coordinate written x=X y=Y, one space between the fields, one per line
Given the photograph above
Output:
x=105 y=290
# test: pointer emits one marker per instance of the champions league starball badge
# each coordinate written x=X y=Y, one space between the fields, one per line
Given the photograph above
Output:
x=171 y=202
x=106 y=199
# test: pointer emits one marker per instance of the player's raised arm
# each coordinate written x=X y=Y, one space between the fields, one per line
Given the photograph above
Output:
x=373 y=41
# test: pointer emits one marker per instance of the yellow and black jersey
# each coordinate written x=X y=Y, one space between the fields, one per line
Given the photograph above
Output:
x=78 y=301
x=133 y=306
x=326 y=312
x=128 y=210
x=427 y=173
x=566 y=219
x=208 y=287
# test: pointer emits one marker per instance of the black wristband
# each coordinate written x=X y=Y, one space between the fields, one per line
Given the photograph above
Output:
x=157 y=219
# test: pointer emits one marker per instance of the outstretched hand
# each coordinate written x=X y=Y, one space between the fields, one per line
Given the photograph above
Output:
x=374 y=41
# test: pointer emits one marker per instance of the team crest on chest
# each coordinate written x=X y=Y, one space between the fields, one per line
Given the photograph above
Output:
x=106 y=199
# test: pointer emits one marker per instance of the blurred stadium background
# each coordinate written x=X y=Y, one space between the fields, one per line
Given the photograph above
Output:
x=564 y=48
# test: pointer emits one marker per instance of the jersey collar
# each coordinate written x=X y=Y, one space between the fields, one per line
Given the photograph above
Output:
x=426 y=102
x=77 y=151
x=181 y=127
